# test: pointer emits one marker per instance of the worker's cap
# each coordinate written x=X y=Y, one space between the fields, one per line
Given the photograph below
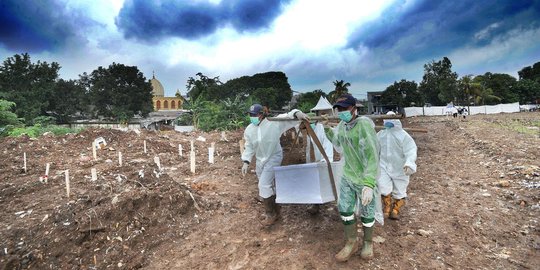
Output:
x=345 y=101
x=255 y=109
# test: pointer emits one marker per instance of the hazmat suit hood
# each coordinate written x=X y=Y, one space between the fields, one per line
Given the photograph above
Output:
x=397 y=149
x=396 y=122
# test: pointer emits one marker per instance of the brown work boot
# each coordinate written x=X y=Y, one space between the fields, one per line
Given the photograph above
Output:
x=351 y=246
x=367 y=248
x=387 y=205
x=271 y=211
x=397 y=208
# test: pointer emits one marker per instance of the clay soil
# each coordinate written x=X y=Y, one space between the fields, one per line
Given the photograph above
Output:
x=473 y=204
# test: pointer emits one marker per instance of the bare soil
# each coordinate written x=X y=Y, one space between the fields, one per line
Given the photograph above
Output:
x=473 y=204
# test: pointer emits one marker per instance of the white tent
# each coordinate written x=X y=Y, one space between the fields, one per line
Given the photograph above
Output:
x=322 y=105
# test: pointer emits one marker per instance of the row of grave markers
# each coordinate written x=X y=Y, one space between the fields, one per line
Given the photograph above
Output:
x=44 y=178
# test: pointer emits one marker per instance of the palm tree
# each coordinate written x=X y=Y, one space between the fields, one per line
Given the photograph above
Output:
x=341 y=87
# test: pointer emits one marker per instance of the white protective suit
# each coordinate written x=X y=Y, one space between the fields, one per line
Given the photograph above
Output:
x=325 y=142
x=263 y=142
x=397 y=151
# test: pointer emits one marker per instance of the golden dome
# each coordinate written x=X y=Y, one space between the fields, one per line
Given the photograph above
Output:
x=157 y=88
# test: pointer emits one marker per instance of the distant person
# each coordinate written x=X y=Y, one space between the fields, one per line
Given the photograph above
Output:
x=355 y=138
x=463 y=112
x=397 y=163
x=454 y=112
x=262 y=140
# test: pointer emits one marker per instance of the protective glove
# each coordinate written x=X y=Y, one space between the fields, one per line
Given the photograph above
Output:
x=245 y=168
x=325 y=120
x=367 y=195
x=301 y=116
x=407 y=170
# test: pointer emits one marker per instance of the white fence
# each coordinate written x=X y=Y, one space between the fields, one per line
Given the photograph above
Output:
x=441 y=110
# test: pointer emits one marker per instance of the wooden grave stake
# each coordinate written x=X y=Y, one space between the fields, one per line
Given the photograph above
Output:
x=158 y=163
x=180 y=150
x=94 y=174
x=192 y=157
x=144 y=146
x=24 y=165
x=94 y=151
x=67 y=183
x=211 y=153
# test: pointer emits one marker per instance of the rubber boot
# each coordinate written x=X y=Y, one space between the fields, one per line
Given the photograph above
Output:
x=271 y=211
x=351 y=246
x=397 y=208
x=367 y=248
x=387 y=205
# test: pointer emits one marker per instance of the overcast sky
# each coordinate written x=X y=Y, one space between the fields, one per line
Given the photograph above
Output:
x=368 y=43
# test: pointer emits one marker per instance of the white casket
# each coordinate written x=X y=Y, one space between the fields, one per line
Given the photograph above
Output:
x=305 y=183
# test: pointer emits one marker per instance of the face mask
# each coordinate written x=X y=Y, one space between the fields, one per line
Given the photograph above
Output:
x=312 y=125
x=345 y=116
x=388 y=125
x=254 y=120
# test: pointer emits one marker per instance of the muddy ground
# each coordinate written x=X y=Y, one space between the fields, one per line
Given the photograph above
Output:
x=473 y=204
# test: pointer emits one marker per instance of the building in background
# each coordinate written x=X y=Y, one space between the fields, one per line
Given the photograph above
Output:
x=374 y=103
x=160 y=101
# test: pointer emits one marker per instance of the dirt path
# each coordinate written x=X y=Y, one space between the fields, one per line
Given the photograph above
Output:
x=464 y=212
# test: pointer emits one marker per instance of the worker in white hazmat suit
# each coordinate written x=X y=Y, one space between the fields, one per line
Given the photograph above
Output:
x=262 y=140
x=318 y=128
x=397 y=163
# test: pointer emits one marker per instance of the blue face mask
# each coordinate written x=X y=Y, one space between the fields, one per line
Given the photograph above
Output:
x=255 y=120
x=345 y=116
x=388 y=125
x=312 y=125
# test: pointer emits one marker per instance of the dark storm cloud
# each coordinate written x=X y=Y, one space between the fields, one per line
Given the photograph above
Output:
x=433 y=27
x=36 y=25
x=148 y=20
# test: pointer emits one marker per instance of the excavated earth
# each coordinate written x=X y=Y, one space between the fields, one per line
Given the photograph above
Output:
x=473 y=204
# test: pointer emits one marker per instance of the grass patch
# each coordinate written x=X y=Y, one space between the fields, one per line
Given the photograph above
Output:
x=522 y=126
x=38 y=130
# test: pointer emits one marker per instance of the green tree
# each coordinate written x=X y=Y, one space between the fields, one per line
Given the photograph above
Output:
x=29 y=85
x=402 y=94
x=7 y=117
x=205 y=86
x=439 y=83
x=528 y=91
x=482 y=94
x=227 y=114
x=340 y=87
x=67 y=99
x=468 y=90
x=530 y=73
x=266 y=97
x=280 y=92
x=501 y=84
x=308 y=100
x=118 y=91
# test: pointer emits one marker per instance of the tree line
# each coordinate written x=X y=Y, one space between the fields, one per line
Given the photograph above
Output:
x=440 y=86
x=35 y=90
x=31 y=91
